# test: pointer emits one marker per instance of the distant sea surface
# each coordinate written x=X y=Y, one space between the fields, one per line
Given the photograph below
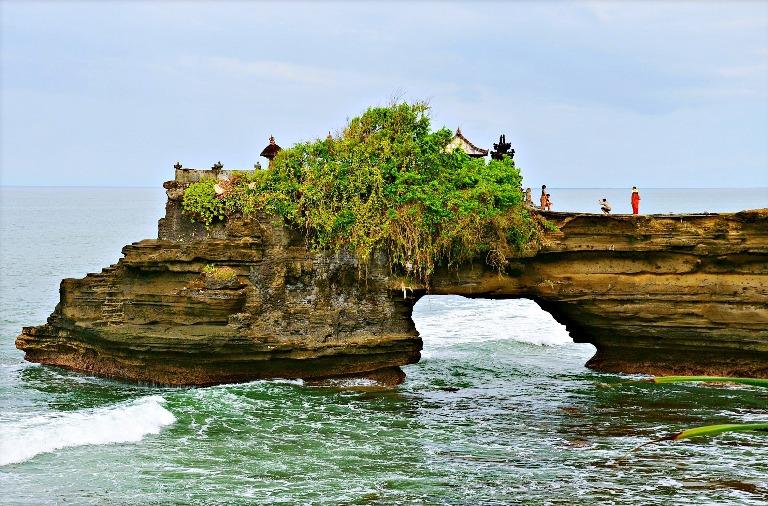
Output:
x=500 y=410
x=657 y=200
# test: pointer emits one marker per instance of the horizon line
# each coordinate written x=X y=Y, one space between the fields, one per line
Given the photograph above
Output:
x=551 y=188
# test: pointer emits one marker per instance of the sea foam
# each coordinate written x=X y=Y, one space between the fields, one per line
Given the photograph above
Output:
x=120 y=423
x=450 y=320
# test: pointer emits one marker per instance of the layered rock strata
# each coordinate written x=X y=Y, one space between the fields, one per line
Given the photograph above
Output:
x=657 y=294
x=654 y=294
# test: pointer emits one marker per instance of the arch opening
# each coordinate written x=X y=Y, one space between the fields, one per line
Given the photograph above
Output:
x=451 y=320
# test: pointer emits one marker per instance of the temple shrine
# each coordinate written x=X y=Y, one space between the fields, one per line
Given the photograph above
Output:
x=502 y=148
x=459 y=141
x=271 y=150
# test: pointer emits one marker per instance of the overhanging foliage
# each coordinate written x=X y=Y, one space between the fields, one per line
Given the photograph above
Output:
x=385 y=182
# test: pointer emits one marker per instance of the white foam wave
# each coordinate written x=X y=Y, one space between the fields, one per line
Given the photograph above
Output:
x=126 y=422
x=298 y=382
x=352 y=383
x=451 y=320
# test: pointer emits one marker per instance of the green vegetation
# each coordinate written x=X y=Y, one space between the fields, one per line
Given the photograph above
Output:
x=759 y=382
x=200 y=202
x=706 y=430
x=219 y=273
x=385 y=182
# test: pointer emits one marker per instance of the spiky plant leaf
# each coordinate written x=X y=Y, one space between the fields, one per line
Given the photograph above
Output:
x=758 y=382
x=705 y=430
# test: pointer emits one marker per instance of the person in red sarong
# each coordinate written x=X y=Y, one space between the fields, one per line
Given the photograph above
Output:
x=635 y=201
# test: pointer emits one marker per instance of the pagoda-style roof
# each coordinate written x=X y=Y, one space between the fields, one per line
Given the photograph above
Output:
x=502 y=149
x=459 y=141
x=271 y=150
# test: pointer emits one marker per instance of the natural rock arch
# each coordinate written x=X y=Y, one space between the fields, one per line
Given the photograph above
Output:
x=445 y=318
x=654 y=294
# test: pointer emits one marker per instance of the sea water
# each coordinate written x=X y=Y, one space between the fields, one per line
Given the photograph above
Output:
x=500 y=410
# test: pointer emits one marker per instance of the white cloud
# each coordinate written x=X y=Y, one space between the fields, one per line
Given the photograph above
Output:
x=580 y=88
x=630 y=12
x=273 y=70
x=745 y=71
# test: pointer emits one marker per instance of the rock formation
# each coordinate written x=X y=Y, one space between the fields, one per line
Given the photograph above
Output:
x=661 y=295
x=655 y=294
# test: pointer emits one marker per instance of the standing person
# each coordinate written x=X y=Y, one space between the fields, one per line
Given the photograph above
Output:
x=635 y=201
x=605 y=207
x=544 y=198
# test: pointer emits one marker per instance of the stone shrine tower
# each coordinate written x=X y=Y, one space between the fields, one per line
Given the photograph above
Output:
x=271 y=150
x=502 y=148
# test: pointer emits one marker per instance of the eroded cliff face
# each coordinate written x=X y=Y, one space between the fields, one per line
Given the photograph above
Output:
x=286 y=313
x=654 y=294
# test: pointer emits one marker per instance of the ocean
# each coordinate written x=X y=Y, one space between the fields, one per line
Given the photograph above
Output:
x=499 y=411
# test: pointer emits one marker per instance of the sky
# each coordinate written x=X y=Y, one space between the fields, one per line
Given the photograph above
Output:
x=599 y=94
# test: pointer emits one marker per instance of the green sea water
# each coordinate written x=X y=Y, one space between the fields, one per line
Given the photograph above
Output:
x=500 y=410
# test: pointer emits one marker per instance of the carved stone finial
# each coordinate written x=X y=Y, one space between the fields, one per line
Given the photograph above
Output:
x=502 y=148
x=330 y=137
x=458 y=131
x=177 y=166
x=271 y=139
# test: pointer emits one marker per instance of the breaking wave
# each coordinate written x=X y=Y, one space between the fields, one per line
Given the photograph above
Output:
x=126 y=422
x=450 y=320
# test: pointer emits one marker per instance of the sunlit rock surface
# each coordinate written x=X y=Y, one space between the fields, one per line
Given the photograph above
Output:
x=683 y=294
x=670 y=294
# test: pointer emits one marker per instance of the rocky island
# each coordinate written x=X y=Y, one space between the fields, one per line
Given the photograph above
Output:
x=671 y=294
x=311 y=270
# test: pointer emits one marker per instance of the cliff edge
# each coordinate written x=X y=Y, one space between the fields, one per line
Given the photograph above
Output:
x=245 y=299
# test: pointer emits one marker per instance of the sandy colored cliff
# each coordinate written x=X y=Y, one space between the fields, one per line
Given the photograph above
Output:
x=654 y=294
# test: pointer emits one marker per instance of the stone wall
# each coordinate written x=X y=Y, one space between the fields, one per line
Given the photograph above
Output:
x=186 y=175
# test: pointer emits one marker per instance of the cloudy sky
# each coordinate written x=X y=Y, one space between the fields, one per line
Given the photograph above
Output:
x=590 y=94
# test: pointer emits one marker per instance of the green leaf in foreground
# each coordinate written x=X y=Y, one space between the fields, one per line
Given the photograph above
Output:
x=758 y=382
x=706 y=430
